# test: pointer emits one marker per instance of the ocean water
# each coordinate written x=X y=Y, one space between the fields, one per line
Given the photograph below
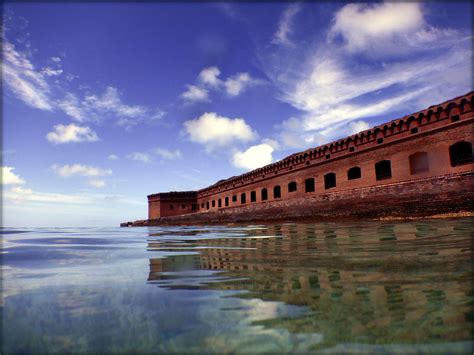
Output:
x=361 y=287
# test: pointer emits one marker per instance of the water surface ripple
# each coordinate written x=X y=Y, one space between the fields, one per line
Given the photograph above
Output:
x=326 y=287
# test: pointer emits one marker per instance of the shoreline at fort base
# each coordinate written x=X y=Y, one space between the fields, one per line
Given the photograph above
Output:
x=417 y=166
x=448 y=215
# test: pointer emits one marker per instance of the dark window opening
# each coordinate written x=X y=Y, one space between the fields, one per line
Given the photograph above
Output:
x=307 y=163
x=292 y=186
x=329 y=181
x=183 y=206
x=277 y=192
x=193 y=207
x=460 y=153
x=414 y=130
x=419 y=163
x=351 y=149
x=354 y=173
x=328 y=156
x=202 y=205
x=213 y=203
x=291 y=168
x=234 y=198
x=309 y=185
x=171 y=207
x=264 y=194
x=253 y=196
x=242 y=198
x=380 y=141
x=383 y=170
x=219 y=203
x=455 y=118
x=226 y=201
x=207 y=204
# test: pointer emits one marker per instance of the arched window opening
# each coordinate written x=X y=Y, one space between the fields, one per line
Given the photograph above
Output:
x=242 y=198
x=264 y=194
x=171 y=207
x=183 y=206
x=253 y=196
x=213 y=203
x=354 y=173
x=329 y=181
x=383 y=170
x=234 y=198
x=207 y=204
x=219 y=203
x=309 y=185
x=193 y=207
x=460 y=153
x=226 y=201
x=419 y=163
x=277 y=192
x=292 y=186
x=202 y=205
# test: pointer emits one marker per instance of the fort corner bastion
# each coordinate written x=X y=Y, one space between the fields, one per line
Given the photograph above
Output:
x=416 y=166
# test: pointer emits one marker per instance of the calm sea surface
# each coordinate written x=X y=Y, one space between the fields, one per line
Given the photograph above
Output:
x=355 y=287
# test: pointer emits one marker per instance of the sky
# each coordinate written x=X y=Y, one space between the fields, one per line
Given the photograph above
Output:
x=105 y=103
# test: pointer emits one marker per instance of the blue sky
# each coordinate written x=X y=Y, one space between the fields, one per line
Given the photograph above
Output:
x=105 y=103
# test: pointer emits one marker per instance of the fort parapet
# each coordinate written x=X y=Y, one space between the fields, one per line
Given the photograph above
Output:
x=418 y=165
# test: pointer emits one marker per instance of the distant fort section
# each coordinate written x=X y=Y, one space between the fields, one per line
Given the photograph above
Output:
x=417 y=166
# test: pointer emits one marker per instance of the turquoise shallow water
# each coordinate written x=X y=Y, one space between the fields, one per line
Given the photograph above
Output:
x=398 y=287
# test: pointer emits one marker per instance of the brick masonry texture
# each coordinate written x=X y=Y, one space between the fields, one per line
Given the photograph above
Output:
x=423 y=174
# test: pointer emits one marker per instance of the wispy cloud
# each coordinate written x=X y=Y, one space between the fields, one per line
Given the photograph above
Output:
x=80 y=170
x=140 y=156
x=71 y=134
x=168 y=154
x=342 y=83
x=21 y=77
x=96 y=183
x=285 y=26
x=39 y=89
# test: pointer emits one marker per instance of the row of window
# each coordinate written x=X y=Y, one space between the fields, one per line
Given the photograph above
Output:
x=460 y=153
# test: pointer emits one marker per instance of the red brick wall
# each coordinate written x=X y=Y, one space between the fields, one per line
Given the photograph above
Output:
x=432 y=131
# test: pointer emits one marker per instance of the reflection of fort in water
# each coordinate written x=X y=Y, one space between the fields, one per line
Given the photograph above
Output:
x=365 y=276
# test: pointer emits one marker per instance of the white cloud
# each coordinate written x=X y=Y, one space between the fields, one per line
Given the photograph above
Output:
x=195 y=94
x=72 y=107
x=20 y=76
x=285 y=25
x=51 y=72
x=237 y=84
x=361 y=25
x=254 y=157
x=20 y=194
x=214 y=130
x=210 y=76
x=71 y=133
x=111 y=102
x=9 y=177
x=56 y=59
x=168 y=154
x=113 y=157
x=139 y=156
x=209 y=80
x=96 y=183
x=80 y=170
